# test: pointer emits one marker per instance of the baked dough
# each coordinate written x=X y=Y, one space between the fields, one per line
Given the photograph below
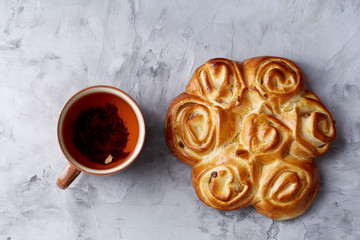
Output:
x=250 y=131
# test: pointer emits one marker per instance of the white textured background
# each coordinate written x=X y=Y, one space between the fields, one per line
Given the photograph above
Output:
x=50 y=49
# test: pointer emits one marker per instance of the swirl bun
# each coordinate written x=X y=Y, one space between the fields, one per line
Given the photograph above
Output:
x=226 y=181
x=265 y=136
x=250 y=131
x=286 y=188
x=197 y=128
x=218 y=81
x=315 y=127
x=273 y=79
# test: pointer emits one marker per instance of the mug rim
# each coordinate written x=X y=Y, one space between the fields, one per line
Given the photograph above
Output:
x=139 y=144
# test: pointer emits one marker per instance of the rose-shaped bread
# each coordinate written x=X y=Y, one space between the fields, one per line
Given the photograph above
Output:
x=195 y=128
x=250 y=131
x=227 y=181
x=315 y=128
x=286 y=188
x=273 y=79
x=219 y=81
x=265 y=137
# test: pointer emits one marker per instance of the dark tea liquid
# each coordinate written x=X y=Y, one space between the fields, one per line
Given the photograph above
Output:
x=98 y=100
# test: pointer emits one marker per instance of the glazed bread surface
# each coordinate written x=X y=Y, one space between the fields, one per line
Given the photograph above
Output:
x=251 y=132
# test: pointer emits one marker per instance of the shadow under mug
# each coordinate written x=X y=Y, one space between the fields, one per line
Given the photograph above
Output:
x=97 y=96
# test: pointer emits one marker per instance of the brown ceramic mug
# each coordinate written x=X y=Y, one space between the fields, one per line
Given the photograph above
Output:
x=98 y=96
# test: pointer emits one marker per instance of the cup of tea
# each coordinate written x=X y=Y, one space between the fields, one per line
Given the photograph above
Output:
x=101 y=131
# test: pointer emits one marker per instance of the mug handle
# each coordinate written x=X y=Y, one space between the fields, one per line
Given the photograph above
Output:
x=67 y=176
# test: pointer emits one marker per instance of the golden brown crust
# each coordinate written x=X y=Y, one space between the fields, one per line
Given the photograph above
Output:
x=273 y=79
x=251 y=131
x=226 y=181
x=194 y=128
x=286 y=188
x=266 y=137
x=315 y=126
x=218 y=81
